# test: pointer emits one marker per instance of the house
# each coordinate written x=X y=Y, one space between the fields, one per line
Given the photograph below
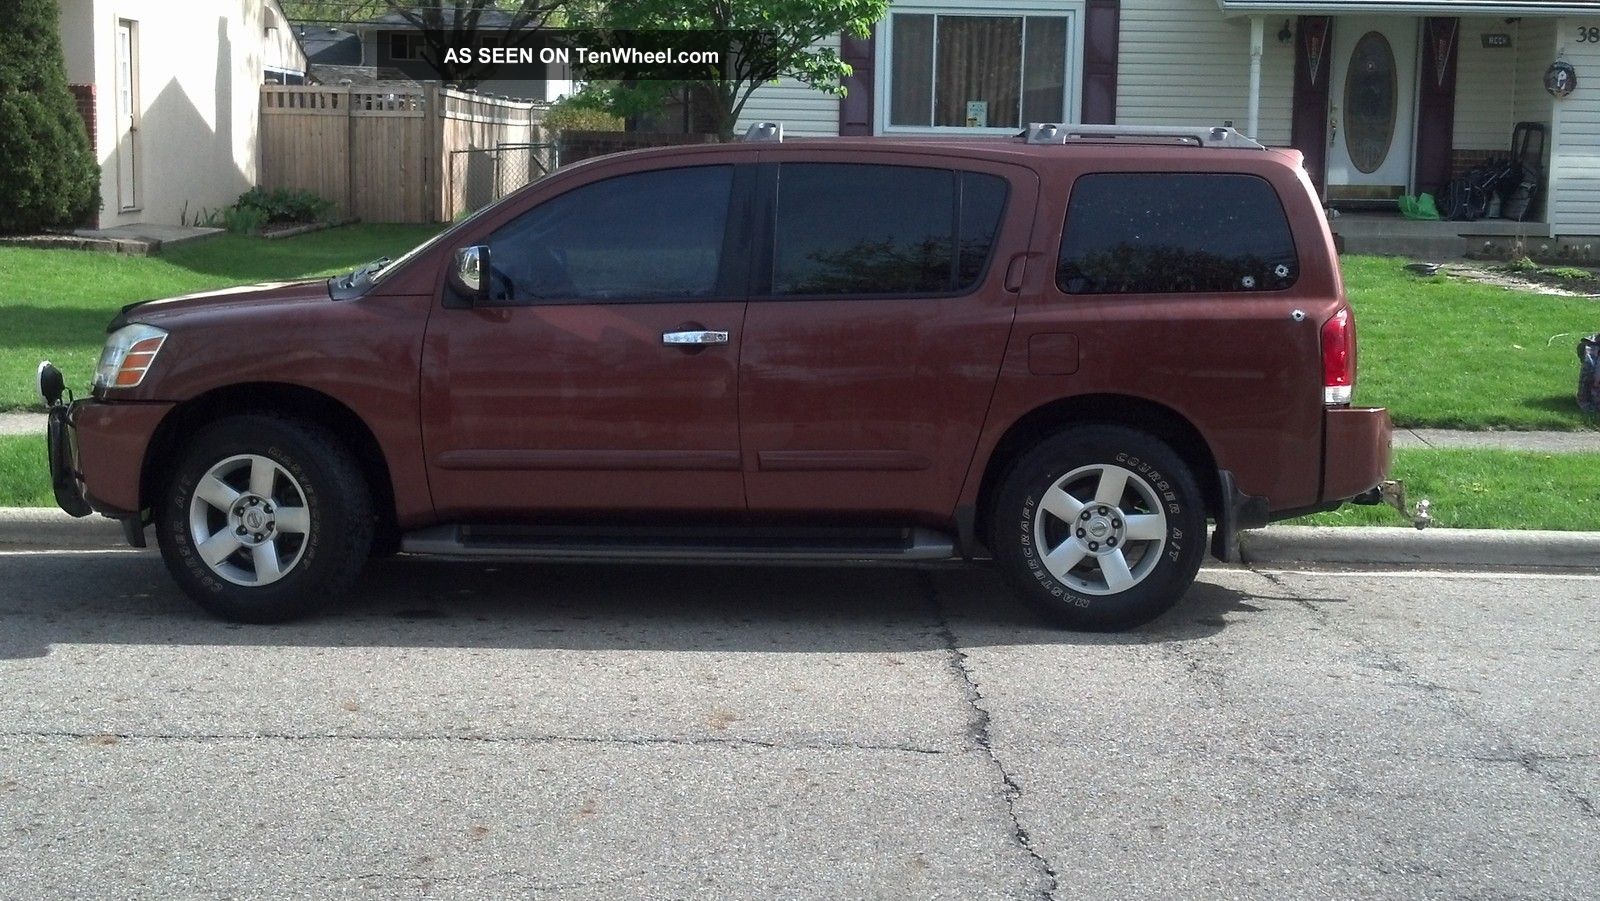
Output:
x=171 y=95
x=389 y=49
x=1383 y=98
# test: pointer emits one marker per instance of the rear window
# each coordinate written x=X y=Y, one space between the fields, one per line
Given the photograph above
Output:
x=864 y=230
x=1156 y=233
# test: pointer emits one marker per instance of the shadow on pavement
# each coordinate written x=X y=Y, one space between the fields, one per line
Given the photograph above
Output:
x=407 y=602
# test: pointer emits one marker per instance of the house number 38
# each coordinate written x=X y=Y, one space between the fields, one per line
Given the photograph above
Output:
x=1589 y=35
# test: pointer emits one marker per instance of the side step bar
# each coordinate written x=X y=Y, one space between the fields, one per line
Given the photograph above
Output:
x=682 y=545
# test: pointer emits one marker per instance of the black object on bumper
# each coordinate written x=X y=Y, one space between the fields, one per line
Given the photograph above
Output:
x=62 y=451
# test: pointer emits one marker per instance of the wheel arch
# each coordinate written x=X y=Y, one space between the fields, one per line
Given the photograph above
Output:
x=281 y=399
x=1140 y=414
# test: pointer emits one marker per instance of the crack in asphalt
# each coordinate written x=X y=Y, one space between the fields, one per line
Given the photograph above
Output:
x=1441 y=696
x=978 y=730
x=636 y=741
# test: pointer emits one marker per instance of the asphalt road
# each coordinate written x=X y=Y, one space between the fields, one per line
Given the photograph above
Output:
x=472 y=731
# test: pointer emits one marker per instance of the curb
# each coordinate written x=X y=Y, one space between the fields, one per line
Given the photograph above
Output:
x=1461 y=548
x=39 y=528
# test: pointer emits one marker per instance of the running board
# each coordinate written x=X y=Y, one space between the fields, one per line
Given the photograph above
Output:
x=682 y=545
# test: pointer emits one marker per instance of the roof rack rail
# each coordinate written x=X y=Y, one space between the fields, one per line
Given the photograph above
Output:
x=1195 y=135
x=765 y=131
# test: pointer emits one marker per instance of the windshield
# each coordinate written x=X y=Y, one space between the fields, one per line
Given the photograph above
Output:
x=378 y=274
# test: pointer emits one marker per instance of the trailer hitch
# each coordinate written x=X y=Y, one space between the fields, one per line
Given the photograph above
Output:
x=1392 y=493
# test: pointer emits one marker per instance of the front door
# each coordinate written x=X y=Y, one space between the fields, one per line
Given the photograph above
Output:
x=1372 y=108
x=127 y=115
x=601 y=375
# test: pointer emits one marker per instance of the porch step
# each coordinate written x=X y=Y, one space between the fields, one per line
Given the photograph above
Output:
x=1393 y=235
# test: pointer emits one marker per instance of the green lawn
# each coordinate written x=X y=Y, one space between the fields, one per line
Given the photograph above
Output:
x=1489 y=489
x=24 y=474
x=1446 y=353
x=54 y=304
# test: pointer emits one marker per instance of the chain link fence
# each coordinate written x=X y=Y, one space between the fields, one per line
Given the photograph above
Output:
x=480 y=176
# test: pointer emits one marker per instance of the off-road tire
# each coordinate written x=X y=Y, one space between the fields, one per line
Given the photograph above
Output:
x=1016 y=516
x=336 y=498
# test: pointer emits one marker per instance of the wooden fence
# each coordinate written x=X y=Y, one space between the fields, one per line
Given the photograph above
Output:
x=403 y=154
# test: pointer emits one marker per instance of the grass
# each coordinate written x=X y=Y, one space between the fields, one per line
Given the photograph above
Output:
x=24 y=475
x=1446 y=353
x=54 y=304
x=1489 y=489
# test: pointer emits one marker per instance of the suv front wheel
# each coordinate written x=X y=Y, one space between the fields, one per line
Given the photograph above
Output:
x=265 y=519
x=1101 y=526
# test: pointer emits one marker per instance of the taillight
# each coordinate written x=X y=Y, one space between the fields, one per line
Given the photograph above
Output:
x=1338 y=357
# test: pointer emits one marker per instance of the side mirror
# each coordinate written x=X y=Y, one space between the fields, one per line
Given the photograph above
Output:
x=470 y=273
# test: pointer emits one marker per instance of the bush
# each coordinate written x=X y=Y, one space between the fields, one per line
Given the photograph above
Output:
x=284 y=205
x=49 y=176
x=569 y=115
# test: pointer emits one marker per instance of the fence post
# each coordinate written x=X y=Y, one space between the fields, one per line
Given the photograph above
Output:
x=432 y=151
x=349 y=155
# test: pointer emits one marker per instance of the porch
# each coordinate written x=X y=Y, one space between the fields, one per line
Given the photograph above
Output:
x=1384 y=104
x=1389 y=234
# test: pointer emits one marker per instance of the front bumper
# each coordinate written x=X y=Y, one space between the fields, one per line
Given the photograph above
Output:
x=96 y=455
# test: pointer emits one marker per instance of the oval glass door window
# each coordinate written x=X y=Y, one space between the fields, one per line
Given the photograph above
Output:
x=1371 y=89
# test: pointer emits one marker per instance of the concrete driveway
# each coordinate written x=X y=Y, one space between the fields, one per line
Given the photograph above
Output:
x=473 y=731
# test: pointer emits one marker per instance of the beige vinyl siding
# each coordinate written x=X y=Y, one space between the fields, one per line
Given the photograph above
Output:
x=804 y=111
x=1575 y=175
x=1483 y=90
x=1181 y=62
x=1530 y=102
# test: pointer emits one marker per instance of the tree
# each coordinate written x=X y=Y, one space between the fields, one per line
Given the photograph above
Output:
x=786 y=33
x=49 y=176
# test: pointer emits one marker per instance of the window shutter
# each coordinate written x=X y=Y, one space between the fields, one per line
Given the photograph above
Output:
x=1101 y=27
x=855 y=108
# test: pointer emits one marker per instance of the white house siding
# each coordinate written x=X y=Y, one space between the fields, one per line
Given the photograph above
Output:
x=1181 y=62
x=1530 y=102
x=1483 y=91
x=199 y=79
x=803 y=110
x=1575 y=175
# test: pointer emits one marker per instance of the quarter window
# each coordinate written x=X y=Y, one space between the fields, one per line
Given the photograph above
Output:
x=648 y=236
x=882 y=230
x=1147 y=233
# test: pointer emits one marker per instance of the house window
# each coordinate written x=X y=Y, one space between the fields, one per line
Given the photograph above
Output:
x=977 y=71
x=405 y=46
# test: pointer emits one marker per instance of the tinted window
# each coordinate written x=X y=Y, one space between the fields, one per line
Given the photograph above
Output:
x=882 y=230
x=650 y=236
x=1148 y=233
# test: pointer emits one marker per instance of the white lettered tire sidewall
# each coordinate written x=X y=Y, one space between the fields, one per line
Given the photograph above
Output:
x=1021 y=561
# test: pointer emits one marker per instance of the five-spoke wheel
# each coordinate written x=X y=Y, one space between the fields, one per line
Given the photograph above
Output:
x=249 y=521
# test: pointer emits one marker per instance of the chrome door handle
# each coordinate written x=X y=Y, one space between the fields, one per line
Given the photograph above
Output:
x=694 y=337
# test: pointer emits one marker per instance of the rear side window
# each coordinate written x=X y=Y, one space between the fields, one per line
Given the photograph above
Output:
x=864 y=230
x=1153 y=233
x=646 y=236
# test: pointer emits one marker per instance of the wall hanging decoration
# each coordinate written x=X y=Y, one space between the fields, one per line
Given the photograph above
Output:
x=1561 y=78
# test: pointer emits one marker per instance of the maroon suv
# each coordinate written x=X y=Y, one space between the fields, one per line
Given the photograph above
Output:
x=1066 y=352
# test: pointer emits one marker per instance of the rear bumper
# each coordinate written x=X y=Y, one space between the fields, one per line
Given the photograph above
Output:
x=96 y=454
x=1357 y=454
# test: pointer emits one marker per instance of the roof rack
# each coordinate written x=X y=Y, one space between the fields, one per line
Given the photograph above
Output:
x=1193 y=135
x=765 y=131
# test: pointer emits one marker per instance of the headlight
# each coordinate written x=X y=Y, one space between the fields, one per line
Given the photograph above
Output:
x=128 y=355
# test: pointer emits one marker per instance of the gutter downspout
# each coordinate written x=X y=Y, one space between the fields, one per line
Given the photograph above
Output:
x=1257 y=41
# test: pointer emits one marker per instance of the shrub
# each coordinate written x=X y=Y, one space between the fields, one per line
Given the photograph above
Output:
x=49 y=177
x=568 y=115
x=284 y=205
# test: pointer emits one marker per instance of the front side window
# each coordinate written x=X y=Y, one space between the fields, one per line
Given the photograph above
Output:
x=851 y=229
x=648 y=236
x=1155 y=233
x=977 y=71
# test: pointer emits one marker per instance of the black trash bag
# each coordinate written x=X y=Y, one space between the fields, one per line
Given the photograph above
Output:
x=1589 y=374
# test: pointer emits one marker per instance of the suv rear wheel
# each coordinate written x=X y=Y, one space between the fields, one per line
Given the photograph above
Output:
x=1101 y=526
x=265 y=519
